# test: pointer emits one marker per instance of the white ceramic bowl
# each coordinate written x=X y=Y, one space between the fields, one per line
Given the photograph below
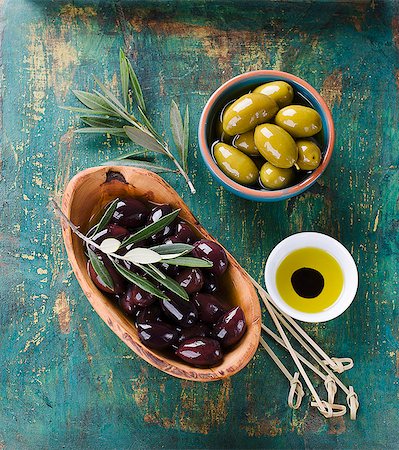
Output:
x=329 y=245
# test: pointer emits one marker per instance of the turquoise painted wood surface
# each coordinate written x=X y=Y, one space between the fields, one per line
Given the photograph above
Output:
x=65 y=380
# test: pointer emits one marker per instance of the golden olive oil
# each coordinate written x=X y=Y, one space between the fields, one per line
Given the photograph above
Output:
x=309 y=280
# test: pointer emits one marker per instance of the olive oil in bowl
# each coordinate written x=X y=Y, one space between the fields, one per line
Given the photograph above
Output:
x=311 y=277
x=309 y=280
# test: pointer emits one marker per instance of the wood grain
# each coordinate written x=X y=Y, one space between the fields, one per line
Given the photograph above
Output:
x=84 y=389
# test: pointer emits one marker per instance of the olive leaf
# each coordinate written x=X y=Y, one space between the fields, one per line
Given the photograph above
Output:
x=176 y=125
x=110 y=98
x=102 y=122
x=110 y=245
x=86 y=111
x=93 y=101
x=101 y=130
x=124 y=77
x=168 y=282
x=137 y=163
x=167 y=249
x=143 y=139
x=119 y=110
x=151 y=229
x=149 y=126
x=100 y=269
x=136 y=88
x=142 y=256
x=189 y=261
x=180 y=131
x=106 y=217
x=140 y=281
x=156 y=270
x=172 y=256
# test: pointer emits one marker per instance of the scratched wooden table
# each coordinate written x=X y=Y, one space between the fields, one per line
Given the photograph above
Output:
x=66 y=381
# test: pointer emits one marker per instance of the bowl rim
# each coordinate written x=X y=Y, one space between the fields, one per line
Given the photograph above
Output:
x=323 y=242
x=248 y=192
x=110 y=318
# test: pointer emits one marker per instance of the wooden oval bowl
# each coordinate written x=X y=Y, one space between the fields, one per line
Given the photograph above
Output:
x=85 y=196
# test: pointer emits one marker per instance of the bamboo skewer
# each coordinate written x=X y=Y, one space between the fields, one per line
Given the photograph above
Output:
x=322 y=408
x=352 y=398
x=296 y=385
x=327 y=408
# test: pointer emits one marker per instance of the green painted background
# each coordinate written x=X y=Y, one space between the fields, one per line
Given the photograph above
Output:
x=65 y=380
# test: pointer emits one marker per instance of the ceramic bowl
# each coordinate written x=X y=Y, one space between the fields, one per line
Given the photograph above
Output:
x=238 y=86
x=329 y=245
x=85 y=196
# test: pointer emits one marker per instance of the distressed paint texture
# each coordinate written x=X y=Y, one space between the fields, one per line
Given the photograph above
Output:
x=65 y=379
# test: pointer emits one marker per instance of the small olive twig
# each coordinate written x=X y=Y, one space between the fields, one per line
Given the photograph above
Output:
x=112 y=255
x=104 y=113
x=75 y=229
x=89 y=241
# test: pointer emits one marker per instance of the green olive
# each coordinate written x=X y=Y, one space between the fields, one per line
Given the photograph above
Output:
x=299 y=121
x=247 y=112
x=273 y=177
x=235 y=164
x=276 y=145
x=221 y=135
x=309 y=154
x=245 y=142
x=280 y=91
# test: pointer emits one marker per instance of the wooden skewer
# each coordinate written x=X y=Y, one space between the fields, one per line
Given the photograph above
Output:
x=329 y=382
x=352 y=398
x=296 y=388
x=328 y=409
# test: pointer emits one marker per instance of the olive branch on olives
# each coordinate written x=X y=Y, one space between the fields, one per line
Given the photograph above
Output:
x=104 y=113
x=141 y=257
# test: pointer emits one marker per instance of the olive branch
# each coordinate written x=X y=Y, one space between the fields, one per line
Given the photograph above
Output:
x=141 y=257
x=104 y=113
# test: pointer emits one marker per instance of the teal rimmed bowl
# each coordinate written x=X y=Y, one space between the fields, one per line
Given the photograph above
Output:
x=236 y=87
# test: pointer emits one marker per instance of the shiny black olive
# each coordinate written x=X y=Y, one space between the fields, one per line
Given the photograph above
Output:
x=211 y=283
x=139 y=297
x=150 y=314
x=209 y=308
x=231 y=327
x=197 y=330
x=191 y=279
x=200 y=351
x=183 y=234
x=126 y=303
x=157 y=335
x=159 y=238
x=213 y=252
x=130 y=213
x=159 y=211
x=180 y=311
x=111 y=231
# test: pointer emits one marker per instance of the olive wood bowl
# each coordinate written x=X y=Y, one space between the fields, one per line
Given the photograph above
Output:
x=84 y=198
